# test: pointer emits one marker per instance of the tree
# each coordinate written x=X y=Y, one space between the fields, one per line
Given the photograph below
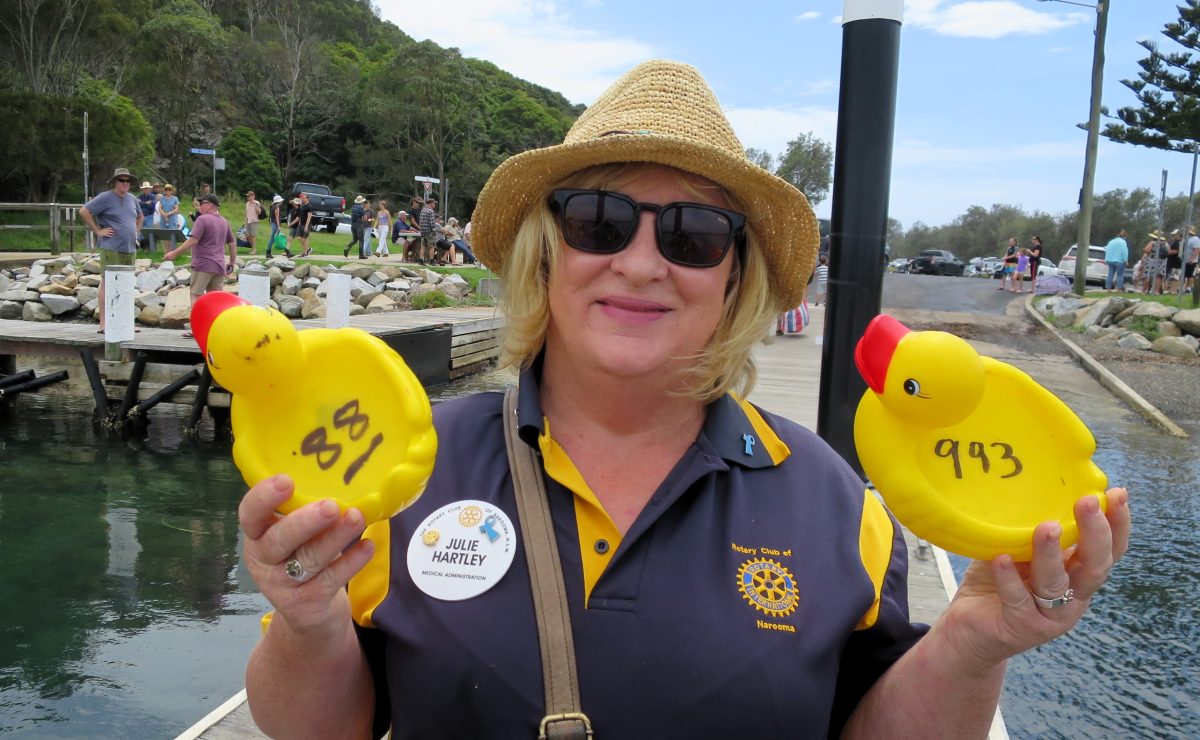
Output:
x=808 y=164
x=248 y=164
x=762 y=158
x=1167 y=89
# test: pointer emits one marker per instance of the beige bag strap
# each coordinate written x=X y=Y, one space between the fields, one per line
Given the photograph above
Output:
x=563 y=716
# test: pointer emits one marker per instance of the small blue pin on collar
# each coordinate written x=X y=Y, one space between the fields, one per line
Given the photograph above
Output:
x=749 y=440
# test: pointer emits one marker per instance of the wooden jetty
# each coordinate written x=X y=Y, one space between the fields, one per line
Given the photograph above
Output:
x=789 y=377
x=438 y=344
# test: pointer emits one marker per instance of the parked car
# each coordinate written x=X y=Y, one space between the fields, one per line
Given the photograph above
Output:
x=989 y=267
x=1047 y=268
x=325 y=205
x=1097 y=271
x=937 y=262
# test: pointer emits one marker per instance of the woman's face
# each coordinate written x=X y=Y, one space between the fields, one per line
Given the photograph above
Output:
x=633 y=314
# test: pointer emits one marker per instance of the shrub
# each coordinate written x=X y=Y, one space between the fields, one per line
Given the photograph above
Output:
x=1146 y=326
x=432 y=299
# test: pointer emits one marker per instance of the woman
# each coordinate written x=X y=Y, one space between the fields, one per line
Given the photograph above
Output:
x=168 y=209
x=275 y=216
x=454 y=235
x=383 y=220
x=713 y=554
x=1009 y=270
x=1035 y=261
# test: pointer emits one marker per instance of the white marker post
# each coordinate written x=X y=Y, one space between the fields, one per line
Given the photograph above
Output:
x=119 y=292
x=337 y=299
x=254 y=285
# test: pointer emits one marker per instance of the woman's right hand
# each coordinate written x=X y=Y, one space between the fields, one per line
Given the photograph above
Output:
x=324 y=542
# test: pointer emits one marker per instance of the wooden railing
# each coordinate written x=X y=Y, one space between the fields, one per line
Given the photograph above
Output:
x=64 y=222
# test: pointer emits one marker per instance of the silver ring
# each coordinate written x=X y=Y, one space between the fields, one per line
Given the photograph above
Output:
x=296 y=571
x=1056 y=602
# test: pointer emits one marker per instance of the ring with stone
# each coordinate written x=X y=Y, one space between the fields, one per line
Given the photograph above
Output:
x=1056 y=602
x=296 y=571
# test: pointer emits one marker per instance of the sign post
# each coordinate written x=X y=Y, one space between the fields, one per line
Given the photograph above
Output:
x=212 y=153
x=428 y=182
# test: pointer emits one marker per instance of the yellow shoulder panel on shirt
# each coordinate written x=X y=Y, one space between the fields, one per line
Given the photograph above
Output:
x=875 y=548
x=369 y=586
x=778 y=450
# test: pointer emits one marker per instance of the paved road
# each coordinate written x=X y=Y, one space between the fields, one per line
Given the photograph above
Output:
x=941 y=293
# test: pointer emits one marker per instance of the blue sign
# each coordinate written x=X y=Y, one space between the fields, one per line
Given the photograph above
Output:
x=204 y=151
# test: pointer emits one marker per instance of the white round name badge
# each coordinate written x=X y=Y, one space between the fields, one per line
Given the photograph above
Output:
x=461 y=550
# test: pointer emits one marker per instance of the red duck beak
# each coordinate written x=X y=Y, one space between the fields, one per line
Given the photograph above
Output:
x=206 y=310
x=874 y=351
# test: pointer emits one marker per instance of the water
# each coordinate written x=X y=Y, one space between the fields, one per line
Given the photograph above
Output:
x=124 y=610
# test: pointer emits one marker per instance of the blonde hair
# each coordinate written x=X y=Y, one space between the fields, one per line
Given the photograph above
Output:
x=725 y=364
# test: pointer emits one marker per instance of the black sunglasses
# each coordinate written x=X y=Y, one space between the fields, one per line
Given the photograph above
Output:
x=688 y=234
x=122 y=179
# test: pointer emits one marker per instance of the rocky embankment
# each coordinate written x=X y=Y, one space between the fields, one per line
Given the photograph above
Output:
x=65 y=288
x=1127 y=324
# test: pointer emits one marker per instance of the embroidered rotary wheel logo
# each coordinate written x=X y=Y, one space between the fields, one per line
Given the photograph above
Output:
x=768 y=586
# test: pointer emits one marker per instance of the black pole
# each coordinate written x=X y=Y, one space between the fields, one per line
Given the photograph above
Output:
x=200 y=400
x=164 y=393
x=30 y=385
x=861 y=184
x=99 y=395
x=131 y=390
x=15 y=378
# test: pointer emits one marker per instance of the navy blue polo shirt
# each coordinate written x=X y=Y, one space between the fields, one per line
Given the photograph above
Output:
x=760 y=593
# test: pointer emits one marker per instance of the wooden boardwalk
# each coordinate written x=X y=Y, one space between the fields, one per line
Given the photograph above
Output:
x=789 y=376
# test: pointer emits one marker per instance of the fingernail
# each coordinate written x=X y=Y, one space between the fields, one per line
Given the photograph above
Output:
x=281 y=483
x=1055 y=534
x=1093 y=505
x=327 y=508
x=354 y=517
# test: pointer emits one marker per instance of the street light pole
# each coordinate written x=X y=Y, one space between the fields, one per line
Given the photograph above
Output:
x=1084 y=239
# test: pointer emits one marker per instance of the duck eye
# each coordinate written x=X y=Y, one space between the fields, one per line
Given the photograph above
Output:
x=912 y=387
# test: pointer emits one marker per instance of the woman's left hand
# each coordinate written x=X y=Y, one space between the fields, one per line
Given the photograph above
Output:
x=995 y=614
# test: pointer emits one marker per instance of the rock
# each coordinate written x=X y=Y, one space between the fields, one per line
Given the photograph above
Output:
x=1093 y=314
x=1154 y=310
x=86 y=294
x=313 y=307
x=176 y=310
x=290 y=306
x=361 y=273
x=34 y=311
x=1169 y=329
x=358 y=286
x=18 y=295
x=454 y=290
x=1133 y=340
x=377 y=278
x=141 y=300
x=1173 y=346
x=301 y=270
x=364 y=299
x=400 y=297
x=312 y=282
x=92 y=266
x=430 y=276
x=59 y=304
x=92 y=281
x=1188 y=319
x=380 y=303
x=398 y=285
x=149 y=281
x=37 y=270
x=355 y=309
x=56 y=289
x=5 y=282
x=150 y=315
x=10 y=310
x=275 y=274
x=37 y=281
x=292 y=284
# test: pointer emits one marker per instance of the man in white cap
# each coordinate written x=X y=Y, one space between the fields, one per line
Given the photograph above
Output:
x=116 y=217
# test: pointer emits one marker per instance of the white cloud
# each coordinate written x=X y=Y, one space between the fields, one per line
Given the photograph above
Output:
x=772 y=128
x=808 y=16
x=986 y=18
x=520 y=36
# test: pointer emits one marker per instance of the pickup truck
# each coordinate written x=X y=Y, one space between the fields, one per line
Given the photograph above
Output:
x=937 y=262
x=325 y=205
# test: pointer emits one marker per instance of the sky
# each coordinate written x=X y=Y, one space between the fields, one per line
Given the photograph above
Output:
x=989 y=96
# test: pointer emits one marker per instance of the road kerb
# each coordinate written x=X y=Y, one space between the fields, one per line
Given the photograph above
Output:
x=1114 y=384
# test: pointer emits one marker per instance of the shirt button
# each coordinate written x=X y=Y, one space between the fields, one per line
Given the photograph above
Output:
x=601 y=546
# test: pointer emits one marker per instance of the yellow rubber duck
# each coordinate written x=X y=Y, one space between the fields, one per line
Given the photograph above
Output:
x=938 y=436
x=336 y=409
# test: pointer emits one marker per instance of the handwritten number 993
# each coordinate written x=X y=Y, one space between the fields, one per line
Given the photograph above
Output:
x=949 y=448
x=328 y=453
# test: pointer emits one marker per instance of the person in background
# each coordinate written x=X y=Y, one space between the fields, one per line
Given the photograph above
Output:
x=254 y=212
x=1116 y=255
x=1174 y=265
x=1035 y=261
x=1009 y=267
x=356 y=225
x=205 y=189
x=304 y=223
x=383 y=228
x=168 y=209
x=1022 y=268
x=821 y=275
x=210 y=238
x=726 y=573
x=116 y=217
x=147 y=200
x=364 y=247
x=1155 y=272
x=457 y=243
x=1191 y=254
x=427 y=223
x=275 y=216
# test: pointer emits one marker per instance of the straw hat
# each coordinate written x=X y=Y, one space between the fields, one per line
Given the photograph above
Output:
x=660 y=112
x=360 y=199
x=1155 y=235
x=146 y=184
